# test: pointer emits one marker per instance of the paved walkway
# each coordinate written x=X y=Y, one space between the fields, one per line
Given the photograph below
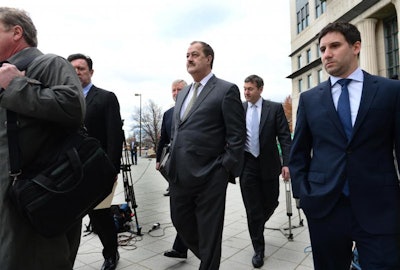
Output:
x=146 y=251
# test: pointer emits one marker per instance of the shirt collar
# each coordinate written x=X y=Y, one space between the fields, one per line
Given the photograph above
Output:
x=257 y=104
x=87 y=88
x=357 y=75
x=206 y=79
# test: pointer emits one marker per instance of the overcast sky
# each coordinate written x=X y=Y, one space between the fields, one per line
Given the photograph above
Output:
x=139 y=46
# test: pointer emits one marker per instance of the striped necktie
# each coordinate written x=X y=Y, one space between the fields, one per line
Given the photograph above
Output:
x=192 y=100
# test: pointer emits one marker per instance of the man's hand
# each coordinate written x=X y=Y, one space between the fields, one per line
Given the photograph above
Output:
x=7 y=73
x=157 y=166
x=285 y=173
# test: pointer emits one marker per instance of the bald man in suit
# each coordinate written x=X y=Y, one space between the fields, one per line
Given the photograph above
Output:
x=206 y=151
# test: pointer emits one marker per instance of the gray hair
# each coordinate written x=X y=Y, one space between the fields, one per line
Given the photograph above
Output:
x=179 y=81
x=11 y=17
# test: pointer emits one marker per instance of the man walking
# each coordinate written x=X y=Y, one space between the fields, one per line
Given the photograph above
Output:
x=343 y=159
x=103 y=121
x=48 y=100
x=259 y=181
x=179 y=249
x=206 y=151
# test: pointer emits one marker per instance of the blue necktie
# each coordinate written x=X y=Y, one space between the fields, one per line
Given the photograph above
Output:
x=254 y=130
x=343 y=107
x=344 y=112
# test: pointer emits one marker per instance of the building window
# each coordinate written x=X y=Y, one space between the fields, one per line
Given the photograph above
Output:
x=391 y=47
x=320 y=7
x=309 y=81
x=320 y=76
x=308 y=56
x=299 y=61
x=318 y=52
x=300 y=85
x=303 y=15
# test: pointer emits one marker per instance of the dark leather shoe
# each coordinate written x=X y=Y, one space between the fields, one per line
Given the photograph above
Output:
x=110 y=263
x=258 y=260
x=175 y=254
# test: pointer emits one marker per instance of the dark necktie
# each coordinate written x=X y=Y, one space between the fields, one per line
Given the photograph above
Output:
x=344 y=112
x=343 y=107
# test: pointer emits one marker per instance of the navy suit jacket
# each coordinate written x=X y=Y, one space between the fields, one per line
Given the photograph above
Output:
x=103 y=122
x=322 y=157
x=273 y=126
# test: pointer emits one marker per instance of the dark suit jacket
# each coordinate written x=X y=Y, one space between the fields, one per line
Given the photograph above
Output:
x=103 y=122
x=273 y=125
x=211 y=136
x=322 y=158
x=165 y=132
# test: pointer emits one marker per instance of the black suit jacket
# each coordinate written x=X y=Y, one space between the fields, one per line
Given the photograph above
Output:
x=211 y=137
x=322 y=158
x=273 y=127
x=103 y=122
x=165 y=136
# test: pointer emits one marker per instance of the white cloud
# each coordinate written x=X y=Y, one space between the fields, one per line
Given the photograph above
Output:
x=140 y=46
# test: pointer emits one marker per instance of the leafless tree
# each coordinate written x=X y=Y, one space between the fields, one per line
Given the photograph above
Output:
x=151 y=123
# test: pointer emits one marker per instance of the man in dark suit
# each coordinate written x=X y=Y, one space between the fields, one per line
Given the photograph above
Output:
x=179 y=249
x=165 y=137
x=343 y=159
x=103 y=121
x=206 y=151
x=259 y=181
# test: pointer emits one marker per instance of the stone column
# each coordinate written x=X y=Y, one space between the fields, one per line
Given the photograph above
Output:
x=396 y=4
x=368 y=54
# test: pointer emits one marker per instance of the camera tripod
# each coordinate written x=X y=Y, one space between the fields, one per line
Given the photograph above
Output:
x=128 y=186
x=289 y=213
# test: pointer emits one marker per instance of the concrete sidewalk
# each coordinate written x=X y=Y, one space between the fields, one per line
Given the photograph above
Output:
x=146 y=251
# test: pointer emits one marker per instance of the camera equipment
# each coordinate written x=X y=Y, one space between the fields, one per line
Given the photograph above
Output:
x=289 y=213
x=128 y=186
x=122 y=217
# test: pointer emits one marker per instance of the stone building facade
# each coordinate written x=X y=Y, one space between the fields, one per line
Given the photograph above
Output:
x=376 y=20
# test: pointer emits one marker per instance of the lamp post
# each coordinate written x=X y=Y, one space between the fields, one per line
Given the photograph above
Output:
x=140 y=124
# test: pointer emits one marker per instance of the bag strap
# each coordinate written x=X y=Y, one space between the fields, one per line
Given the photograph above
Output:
x=13 y=145
x=12 y=127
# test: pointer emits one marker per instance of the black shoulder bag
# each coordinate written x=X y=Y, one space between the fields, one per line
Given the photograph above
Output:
x=80 y=176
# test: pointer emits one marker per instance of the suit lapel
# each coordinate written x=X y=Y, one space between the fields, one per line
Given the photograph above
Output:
x=204 y=92
x=327 y=103
x=179 y=102
x=91 y=94
x=265 y=110
x=370 y=87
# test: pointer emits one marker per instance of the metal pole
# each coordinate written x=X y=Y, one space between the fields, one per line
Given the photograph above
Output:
x=140 y=125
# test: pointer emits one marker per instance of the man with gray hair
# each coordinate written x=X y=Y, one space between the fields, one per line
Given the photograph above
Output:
x=179 y=249
x=48 y=100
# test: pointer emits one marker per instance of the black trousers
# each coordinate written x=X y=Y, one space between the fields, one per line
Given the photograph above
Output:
x=332 y=241
x=260 y=197
x=198 y=215
x=104 y=226
x=179 y=245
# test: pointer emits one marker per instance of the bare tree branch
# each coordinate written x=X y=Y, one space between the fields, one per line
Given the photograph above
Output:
x=151 y=123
